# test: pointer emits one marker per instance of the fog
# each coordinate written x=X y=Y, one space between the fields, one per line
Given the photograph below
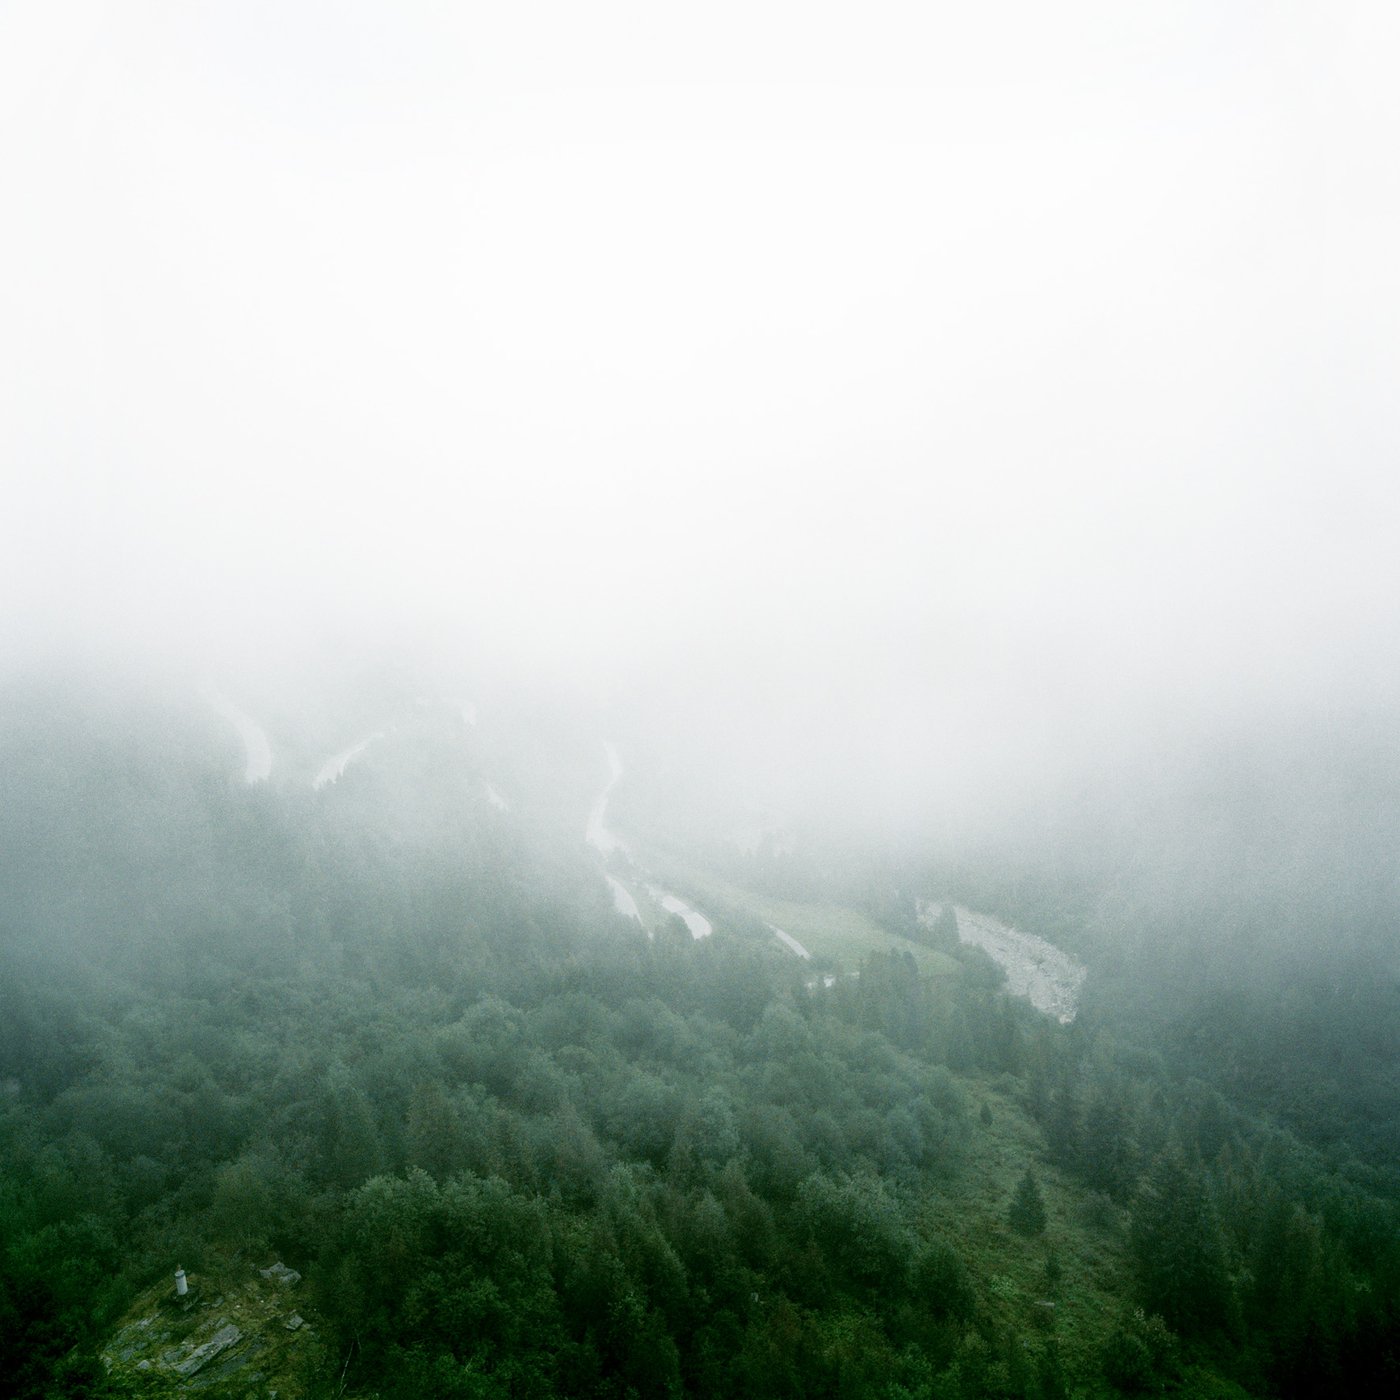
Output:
x=992 y=387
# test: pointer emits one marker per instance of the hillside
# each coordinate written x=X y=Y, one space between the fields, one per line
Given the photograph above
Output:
x=400 y=1038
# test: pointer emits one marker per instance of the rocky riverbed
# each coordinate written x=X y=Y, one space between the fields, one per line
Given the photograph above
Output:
x=1035 y=969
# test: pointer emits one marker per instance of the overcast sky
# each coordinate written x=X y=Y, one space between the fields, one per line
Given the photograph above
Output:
x=993 y=332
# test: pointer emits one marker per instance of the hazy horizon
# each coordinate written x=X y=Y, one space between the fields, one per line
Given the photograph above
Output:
x=1019 y=372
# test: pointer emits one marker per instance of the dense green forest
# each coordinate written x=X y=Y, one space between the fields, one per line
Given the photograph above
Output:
x=398 y=1038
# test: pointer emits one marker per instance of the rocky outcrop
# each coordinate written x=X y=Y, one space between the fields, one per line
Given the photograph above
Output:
x=235 y=1325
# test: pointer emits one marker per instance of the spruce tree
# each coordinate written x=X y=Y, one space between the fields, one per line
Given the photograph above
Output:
x=945 y=926
x=1027 y=1214
x=1178 y=1248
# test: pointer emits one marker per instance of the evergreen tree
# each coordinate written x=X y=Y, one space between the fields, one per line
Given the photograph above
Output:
x=1063 y=1131
x=1106 y=1147
x=945 y=926
x=1027 y=1214
x=1178 y=1249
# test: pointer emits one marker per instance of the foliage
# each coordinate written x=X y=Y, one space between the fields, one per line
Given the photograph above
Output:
x=1027 y=1213
x=517 y=1149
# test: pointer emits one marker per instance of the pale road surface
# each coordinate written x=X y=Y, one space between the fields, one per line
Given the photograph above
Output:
x=599 y=837
x=257 y=752
x=334 y=766
x=791 y=942
x=605 y=842
x=622 y=900
x=697 y=923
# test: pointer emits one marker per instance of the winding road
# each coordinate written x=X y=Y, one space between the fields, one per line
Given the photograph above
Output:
x=257 y=752
x=599 y=837
x=605 y=842
x=334 y=766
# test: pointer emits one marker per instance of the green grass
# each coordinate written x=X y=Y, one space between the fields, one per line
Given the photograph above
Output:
x=1009 y=1269
x=832 y=933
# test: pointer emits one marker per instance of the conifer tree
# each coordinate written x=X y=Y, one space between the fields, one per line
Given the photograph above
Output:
x=945 y=926
x=1027 y=1214
x=1062 y=1127
x=1106 y=1147
x=1178 y=1248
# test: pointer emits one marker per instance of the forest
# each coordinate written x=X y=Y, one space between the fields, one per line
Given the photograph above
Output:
x=699 y=700
x=399 y=1038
